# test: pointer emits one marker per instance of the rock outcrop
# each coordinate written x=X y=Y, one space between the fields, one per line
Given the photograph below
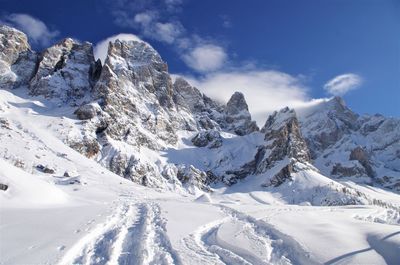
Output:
x=129 y=113
x=344 y=144
x=210 y=138
x=284 y=146
x=64 y=71
x=17 y=60
x=237 y=115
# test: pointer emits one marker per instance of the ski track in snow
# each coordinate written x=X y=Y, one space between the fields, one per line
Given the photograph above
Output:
x=133 y=234
x=221 y=242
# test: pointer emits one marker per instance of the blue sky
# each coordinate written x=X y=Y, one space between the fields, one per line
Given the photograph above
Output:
x=285 y=50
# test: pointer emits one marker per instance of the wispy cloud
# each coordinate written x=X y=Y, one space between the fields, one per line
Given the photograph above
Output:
x=265 y=90
x=37 y=30
x=101 y=48
x=342 y=84
x=205 y=58
x=157 y=20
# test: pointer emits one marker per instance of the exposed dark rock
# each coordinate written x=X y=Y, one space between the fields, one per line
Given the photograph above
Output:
x=342 y=171
x=45 y=169
x=189 y=175
x=361 y=155
x=188 y=97
x=283 y=140
x=237 y=115
x=282 y=132
x=328 y=124
x=87 y=147
x=17 y=61
x=210 y=138
x=3 y=187
x=95 y=71
x=4 y=123
x=87 y=111
x=64 y=71
x=281 y=177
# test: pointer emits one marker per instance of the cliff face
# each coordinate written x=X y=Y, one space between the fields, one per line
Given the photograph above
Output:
x=17 y=60
x=135 y=120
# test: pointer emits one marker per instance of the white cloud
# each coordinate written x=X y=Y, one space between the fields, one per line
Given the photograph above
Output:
x=265 y=90
x=167 y=32
x=205 y=57
x=101 y=48
x=36 y=29
x=342 y=84
x=157 y=20
x=151 y=28
x=145 y=18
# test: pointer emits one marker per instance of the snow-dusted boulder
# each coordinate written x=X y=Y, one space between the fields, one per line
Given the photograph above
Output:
x=87 y=111
x=210 y=138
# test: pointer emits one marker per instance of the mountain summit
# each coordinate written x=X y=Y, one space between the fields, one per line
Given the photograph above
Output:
x=120 y=163
x=130 y=107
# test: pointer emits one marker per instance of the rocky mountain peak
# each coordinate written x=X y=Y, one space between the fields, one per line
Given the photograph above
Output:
x=326 y=123
x=236 y=104
x=12 y=43
x=17 y=61
x=238 y=117
x=130 y=105
x=135 y=54
x=282 y=132
x=139 y=64
x=64 y=71
x=279 y=119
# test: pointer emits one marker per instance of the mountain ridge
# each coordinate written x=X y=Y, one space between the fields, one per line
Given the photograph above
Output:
x=131 y=117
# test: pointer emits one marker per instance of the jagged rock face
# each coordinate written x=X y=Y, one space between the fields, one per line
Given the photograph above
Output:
x=210 y=138
x=64 y=71
x=338 y=170
x=237 y=115
x=284 y=140
x=188 y=97
x=283 y=144
x=361 y=155
x=17 y=61
x=130 y=107
x=12 y=43
x=327 y=125
x=136 y=92
x=143 y=67
x=205 y=113
x=344 y=144
x=87 y=111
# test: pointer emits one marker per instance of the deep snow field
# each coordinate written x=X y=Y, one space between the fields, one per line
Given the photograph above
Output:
x=97 y=217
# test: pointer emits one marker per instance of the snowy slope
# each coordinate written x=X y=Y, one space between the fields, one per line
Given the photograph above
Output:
x=106 y=219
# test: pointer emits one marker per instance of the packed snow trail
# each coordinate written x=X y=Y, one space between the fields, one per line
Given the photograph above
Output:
x=133 y=234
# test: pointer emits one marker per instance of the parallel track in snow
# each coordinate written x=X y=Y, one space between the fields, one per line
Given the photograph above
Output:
x=133 y=234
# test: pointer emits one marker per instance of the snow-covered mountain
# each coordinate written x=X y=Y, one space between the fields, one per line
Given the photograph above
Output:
x=70 y=124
